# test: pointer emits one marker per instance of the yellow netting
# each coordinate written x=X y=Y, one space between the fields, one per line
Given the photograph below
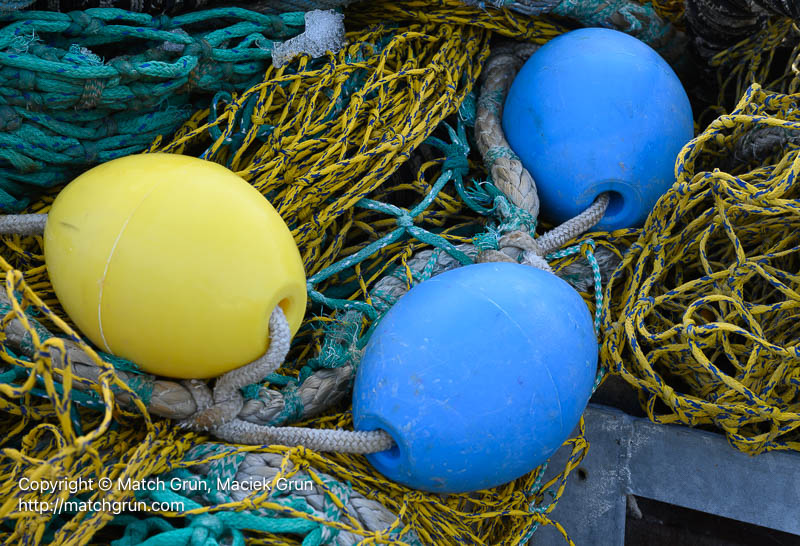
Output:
x=752 y=61
x=704 y=316
x=321 y=157
x=669 y=9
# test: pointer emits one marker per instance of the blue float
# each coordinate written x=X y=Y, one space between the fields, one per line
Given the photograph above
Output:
x=596 y=110
x=479 y=374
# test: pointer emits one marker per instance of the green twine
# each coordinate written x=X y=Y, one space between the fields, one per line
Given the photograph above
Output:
x=492 y=101
x=468 y=111
x=454 y=168
x=496 y=152
x=511 y=218
x=598 y=290
x=340 y=339
x=213 y=527
x=63 y=108
x=209 y=528
x=608 y=13
x=250 y=392
x=292 y=406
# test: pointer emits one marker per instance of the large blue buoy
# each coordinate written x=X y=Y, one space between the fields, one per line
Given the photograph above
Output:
x=596 y=110
x=479 y=374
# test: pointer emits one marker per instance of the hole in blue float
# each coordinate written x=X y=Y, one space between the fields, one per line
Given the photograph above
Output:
x=389 y=458
x=616 y=202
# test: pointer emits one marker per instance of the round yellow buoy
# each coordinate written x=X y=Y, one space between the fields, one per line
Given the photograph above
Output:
x=174 y=263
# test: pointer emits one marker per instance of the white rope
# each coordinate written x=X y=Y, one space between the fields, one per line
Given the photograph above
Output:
x=506 y=169
x=227 y=396
x=22 y=224
x=557 y=237
x=508 y=173
x=335 y=440
x=220 y=413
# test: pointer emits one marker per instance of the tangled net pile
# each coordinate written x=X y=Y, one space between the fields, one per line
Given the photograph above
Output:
x=351 y=149
x=704 y=312
x=86 y=87
x=366 y=155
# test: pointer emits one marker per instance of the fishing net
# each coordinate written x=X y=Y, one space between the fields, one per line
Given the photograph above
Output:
x=718 y=81
x=157 y=7
x=637 y=19
x=704 y=312
x=368 y=156
x=717 y=25
x=83 y=88
x=365 y=154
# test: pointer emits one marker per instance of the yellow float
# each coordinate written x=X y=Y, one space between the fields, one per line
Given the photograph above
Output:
x=174 y=263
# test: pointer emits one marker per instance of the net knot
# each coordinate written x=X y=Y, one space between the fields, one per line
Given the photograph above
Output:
x=405 y=221
x=457 y=164
x=83 y=24
x=124 y=67
x=163 y=22
x=90 y=150
x=27 y=79
x=200 y=49
x=226 y=402
x=206 y=526
x=9 y=120
x=517 y=247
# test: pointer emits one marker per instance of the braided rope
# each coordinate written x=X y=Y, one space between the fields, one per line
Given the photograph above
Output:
x=218 y=413
x=319 y=490
x=22 y=224
x=504 y=166
x=200 y=61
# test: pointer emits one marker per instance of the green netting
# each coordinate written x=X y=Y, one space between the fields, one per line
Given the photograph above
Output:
x=90 y=86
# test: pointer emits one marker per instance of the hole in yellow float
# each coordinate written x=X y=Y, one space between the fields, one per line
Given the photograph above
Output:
x=285 y=305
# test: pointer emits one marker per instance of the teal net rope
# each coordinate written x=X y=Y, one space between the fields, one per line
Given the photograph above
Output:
x=86 y=87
